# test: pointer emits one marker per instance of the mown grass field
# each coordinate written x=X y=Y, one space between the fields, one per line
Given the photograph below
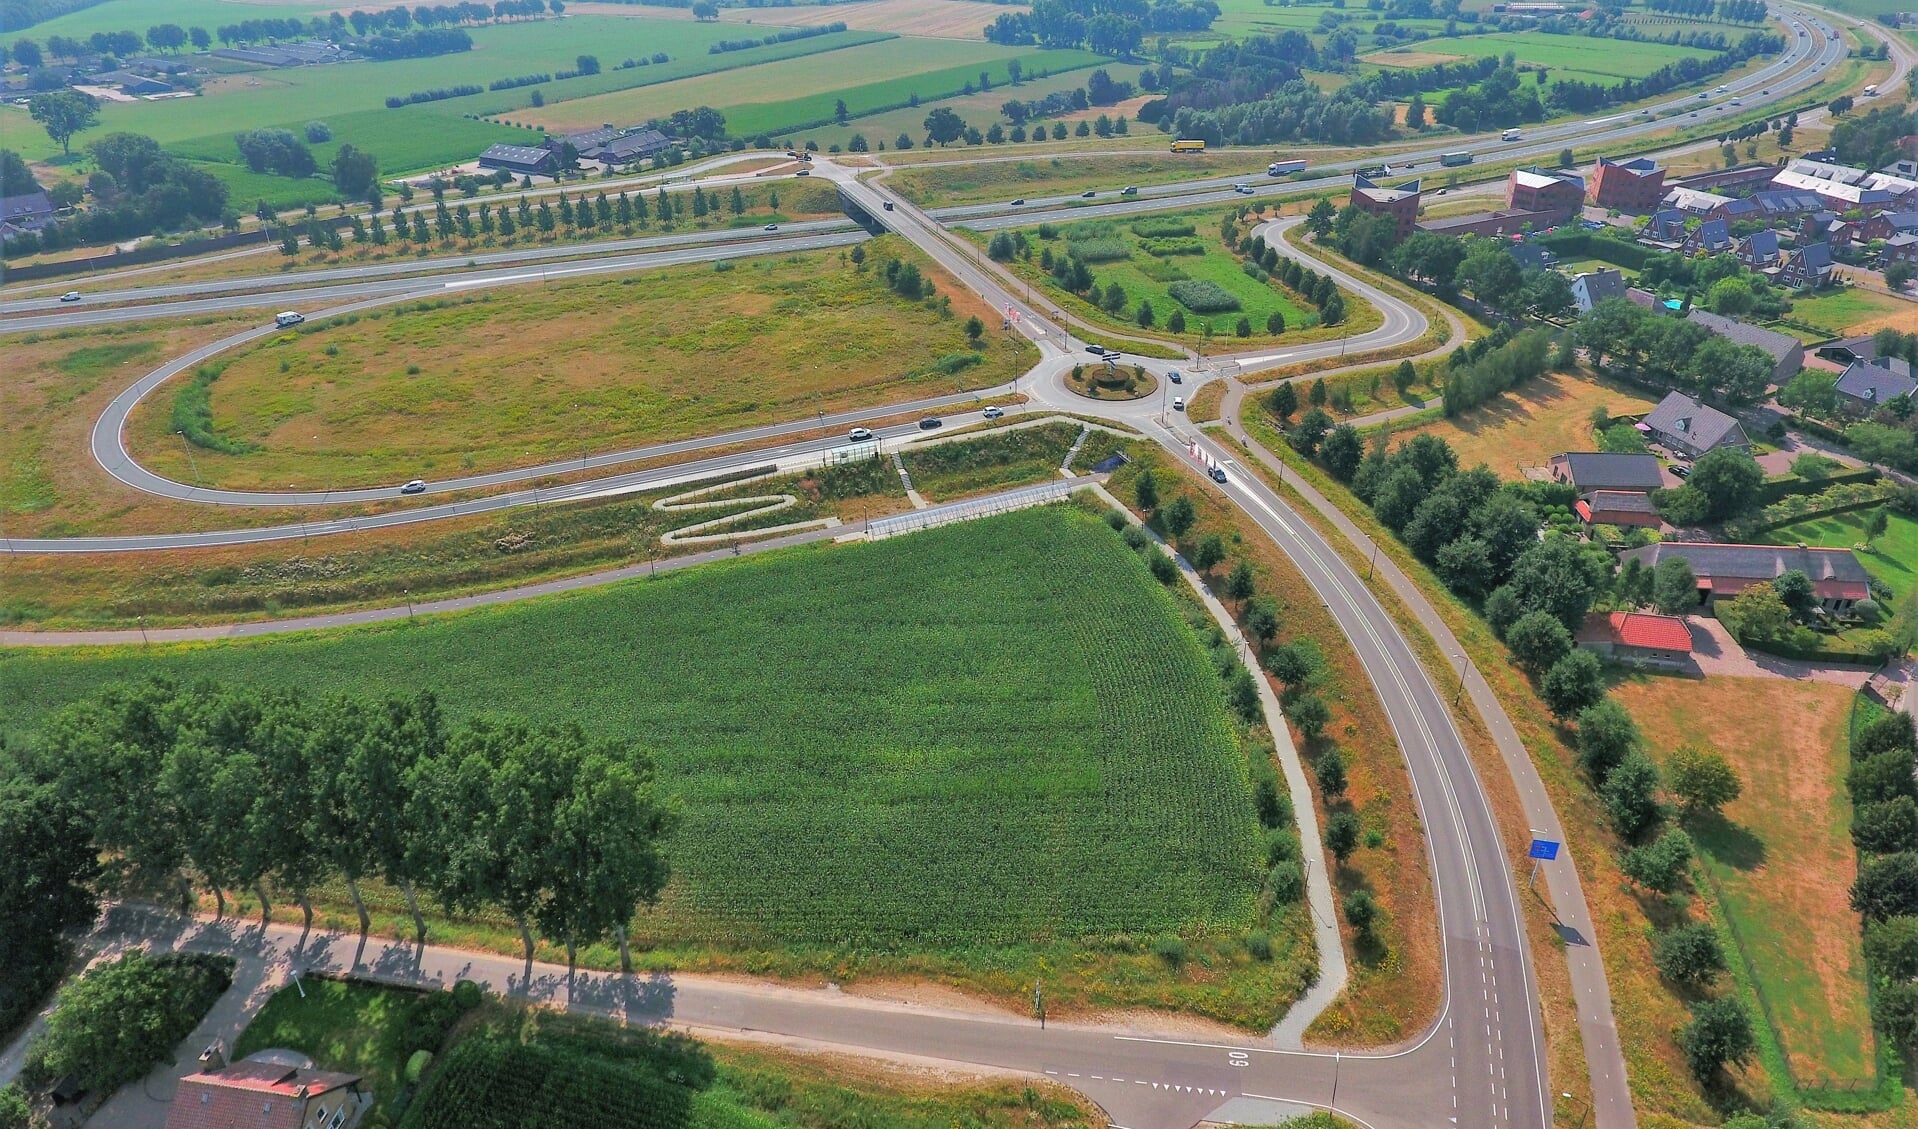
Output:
x=1893 y=558
x=1540 y=418
x=138 y=15
x=942 y=184
x=899 y=61
x=592 y=366
x=972 y=753
x=1617 y=58
x=1853 y=309
x=1782 y=853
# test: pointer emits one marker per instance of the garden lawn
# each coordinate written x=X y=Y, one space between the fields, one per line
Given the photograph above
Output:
x=352 y=1028
x=1534 y=421
x=548 y=372
x=1893 y=558
x=1852 y=309
x=965 y=754
x=1781 y=859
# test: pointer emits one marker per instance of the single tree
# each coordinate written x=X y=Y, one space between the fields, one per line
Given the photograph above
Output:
x=1674 y=588
x=1720 y=1033
x=1573 y=683
x=1310 y=715
x=1606 y=735
x=1146 y=491
x=1342 y=835
x=1179 y=516
x=64 y=113
x=1887 y=887
x=1537 y=641
x=1261 y=621
x=1661 y=864
x=1283 y=400
x=1630 y=794
x=1689 y=954
x=1209 y=552
x=1361 y=910
x=1701 y=779
x=1239 y=584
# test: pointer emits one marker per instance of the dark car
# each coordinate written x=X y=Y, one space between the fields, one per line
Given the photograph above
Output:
x=889 y=205
x=1217 y=473
x=1681 y=471
x=1088 y=194
x=931 y=423
x=1096 y=350
x=1128 y=190
x=1019 y=201
x=1174 y=377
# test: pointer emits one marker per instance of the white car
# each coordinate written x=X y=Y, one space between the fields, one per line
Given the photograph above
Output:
x=859 y=434
x=994 y=412
x=417 y=486
x=70 y=296
x=1178 y=403
x=1242 y=189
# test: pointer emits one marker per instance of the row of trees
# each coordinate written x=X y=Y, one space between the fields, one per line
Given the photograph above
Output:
x=237 y=788
x=1105 y=27
x=1884 y=830
x=1674 y=352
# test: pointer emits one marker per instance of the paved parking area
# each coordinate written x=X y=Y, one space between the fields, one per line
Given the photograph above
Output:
x=1715 y=652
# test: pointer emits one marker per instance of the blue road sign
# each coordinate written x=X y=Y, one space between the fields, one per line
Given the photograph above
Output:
x=1543 y=849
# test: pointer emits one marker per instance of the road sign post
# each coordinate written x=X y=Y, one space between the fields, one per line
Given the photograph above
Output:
x=1541 y=852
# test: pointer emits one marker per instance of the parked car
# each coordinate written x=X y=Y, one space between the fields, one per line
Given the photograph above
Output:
x=859 y=434
x=994 y=412
x=70 y=296
x=1174 y=377
x=417 y=486
x=931 y=423
x=1217 y=473
x=1681 y=471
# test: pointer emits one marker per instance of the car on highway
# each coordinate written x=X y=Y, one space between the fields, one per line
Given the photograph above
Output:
x=1440 y=192
x=1722 y=90
x=417 y=486
x=1128 y=190
x=1693 y=114
x=1217 y=473
x=1242 y=189
x=288 y=318
x=1088 y=194
x=1174 y=377
x=772 y=227
x=1178 y=403
x=993 y=412
x=1702 y=94
x=889 y=205
x=1019 y=201
x=70 y=296
x=931 y=423
x=859 y=434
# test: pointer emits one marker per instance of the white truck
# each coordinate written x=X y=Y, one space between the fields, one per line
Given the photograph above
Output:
x=1280 y=168
x=1509 y=135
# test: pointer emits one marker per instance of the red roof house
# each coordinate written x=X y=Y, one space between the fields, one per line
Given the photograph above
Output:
x=1638 y=638
x=267 y=1095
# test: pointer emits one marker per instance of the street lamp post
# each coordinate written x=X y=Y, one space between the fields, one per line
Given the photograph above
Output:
x=191 y=461
x=1337 y=1058
x=408 y=593
x=1459 y=694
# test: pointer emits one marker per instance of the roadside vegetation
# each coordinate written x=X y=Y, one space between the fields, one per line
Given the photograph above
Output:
x=577 y=368
x=1064 y=879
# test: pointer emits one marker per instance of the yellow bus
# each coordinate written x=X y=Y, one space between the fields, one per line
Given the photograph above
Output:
x=1188 y=146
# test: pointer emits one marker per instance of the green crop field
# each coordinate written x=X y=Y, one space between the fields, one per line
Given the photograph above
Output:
x=826 y=75
x=983 y=734
x=1613 y=57
x=928 y=86
x=138 y=15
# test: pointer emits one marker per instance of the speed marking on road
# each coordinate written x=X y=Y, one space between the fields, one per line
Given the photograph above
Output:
x=1237 y=1058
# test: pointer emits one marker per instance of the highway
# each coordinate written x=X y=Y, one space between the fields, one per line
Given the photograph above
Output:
x=1481 y=1063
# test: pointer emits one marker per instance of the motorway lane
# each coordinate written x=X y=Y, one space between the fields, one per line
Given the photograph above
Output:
x=1794 y=69
x=411 y=266
x=437 y=286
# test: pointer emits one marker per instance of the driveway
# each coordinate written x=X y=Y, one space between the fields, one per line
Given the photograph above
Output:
x=1715 y=652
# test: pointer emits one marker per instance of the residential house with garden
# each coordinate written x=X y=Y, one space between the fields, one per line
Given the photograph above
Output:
x=266 y=1095
x=1787 y=352
x=1806 y=267
x=1723 y=571
x=1642 y=639
x=1593 y=287
x=1866 y=386
x=1713 y=237
x=1613 y=489
x=1689 y=429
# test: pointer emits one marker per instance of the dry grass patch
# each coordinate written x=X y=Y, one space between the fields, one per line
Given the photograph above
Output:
x=1204 y=408
x=1531 y=423
x=1409 y=59
x=1781 y=859
x=548 y=373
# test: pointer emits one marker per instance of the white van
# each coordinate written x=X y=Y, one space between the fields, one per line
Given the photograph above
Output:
x=288 y=318
x=1509 y=135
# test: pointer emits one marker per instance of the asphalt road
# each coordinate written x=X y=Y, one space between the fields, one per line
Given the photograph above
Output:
x=1481 y=1064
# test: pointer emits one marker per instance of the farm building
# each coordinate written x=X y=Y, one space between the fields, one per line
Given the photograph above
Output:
x=1637 y=639
x=526 y=160
x=627 y=148
x=1617 y=507
x=1690 y=428
x=1787 y=352
x=1723 y=571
